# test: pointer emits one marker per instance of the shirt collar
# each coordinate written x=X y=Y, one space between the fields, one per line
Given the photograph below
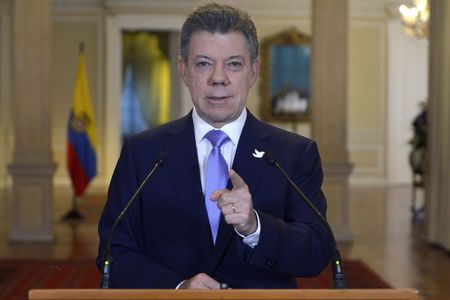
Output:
x=233 y=129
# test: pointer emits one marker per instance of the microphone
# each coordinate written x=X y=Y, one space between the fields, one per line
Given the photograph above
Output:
x=336 y=263
x=105 y=280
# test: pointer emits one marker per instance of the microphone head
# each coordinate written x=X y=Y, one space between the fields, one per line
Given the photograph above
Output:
x=270 y=159
x=161 y=158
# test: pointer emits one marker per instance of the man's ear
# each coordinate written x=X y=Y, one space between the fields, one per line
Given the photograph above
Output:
x=255 y=72
x=182 y=68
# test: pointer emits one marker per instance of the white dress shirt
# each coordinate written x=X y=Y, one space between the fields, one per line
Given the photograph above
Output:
x=228 y=150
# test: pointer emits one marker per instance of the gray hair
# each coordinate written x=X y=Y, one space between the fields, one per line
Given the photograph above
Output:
x=217 y=18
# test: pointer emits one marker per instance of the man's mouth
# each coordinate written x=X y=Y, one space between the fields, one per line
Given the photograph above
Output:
x=217 y=98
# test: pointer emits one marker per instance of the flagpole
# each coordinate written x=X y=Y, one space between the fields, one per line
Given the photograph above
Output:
x=81 y=47
x=73 y=213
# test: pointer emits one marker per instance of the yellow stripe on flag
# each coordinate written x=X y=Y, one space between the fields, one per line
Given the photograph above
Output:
x=164 y=95
x=81 y=104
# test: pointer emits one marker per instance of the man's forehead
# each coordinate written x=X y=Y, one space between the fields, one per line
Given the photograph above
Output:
x=228 y=45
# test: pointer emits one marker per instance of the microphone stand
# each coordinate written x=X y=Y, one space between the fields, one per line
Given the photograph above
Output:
x=336 y=261
x=107 y=258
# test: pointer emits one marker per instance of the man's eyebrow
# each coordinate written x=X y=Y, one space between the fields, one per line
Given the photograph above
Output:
x=202 y=57
x=235 y=57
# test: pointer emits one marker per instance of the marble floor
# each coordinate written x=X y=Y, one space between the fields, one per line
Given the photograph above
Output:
x=383 y=236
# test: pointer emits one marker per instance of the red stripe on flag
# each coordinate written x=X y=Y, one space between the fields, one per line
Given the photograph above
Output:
x=79 y=178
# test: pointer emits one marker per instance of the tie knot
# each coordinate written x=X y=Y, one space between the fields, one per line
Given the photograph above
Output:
x=217 y=137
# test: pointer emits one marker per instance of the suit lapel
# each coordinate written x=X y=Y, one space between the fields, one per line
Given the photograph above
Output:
x=184 y=170
x=249 y=168
x=253 y=138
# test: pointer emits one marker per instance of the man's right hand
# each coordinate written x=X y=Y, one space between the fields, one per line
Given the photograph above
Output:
x=200 y=282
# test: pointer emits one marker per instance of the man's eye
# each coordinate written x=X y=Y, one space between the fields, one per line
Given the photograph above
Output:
x=202 y=64
x=235 y=65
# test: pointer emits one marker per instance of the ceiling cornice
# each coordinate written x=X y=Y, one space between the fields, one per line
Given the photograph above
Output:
x=257 y=8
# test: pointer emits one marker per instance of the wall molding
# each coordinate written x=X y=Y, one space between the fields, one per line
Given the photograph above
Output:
x=372 y=140
x=378 y=150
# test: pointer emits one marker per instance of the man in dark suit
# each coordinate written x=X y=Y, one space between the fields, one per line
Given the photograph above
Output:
x=189 y=230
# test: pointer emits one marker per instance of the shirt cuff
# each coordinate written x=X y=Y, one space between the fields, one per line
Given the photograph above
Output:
x=252 y=240
x=178 y=286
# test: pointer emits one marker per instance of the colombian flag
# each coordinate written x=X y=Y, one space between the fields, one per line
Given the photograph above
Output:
x=81 y=144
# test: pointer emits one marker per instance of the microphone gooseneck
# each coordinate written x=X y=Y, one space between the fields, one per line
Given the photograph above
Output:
x=105 y=281
x=336 y=261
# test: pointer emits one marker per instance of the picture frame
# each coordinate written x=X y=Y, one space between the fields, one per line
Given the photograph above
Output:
x=285 y=77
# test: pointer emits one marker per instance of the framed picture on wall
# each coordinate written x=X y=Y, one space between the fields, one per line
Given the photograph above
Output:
x=285 y=76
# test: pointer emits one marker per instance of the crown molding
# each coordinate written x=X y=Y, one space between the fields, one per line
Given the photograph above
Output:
x=149 y=7
x=77 y=7
x=256 y=8
x=277 y=9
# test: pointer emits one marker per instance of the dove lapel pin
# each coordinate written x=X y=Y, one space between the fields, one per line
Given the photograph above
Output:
x=258 y=154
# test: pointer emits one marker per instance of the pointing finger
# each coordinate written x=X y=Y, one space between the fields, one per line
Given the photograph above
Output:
x=236 y=180
x=215 y=196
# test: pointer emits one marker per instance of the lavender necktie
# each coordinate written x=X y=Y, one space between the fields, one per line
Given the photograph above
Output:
x=216 y=177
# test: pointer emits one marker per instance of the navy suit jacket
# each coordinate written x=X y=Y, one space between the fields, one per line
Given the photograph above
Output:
x=165 y=237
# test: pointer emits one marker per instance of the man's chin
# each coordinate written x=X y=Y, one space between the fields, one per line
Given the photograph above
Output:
x=218 y=120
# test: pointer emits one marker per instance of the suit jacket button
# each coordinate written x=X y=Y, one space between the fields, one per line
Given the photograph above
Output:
x=270 y=262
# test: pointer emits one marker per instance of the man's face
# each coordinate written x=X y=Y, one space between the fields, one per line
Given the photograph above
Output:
x=219 y=74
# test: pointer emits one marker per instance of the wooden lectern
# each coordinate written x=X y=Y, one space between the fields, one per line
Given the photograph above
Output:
x=294 y=294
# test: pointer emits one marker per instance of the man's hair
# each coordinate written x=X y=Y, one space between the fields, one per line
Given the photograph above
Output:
x=217 y=18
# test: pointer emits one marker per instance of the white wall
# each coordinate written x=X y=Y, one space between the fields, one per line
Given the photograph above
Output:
x=407 y=86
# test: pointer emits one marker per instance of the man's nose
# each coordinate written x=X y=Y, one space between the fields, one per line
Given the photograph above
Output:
x=219 y=76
